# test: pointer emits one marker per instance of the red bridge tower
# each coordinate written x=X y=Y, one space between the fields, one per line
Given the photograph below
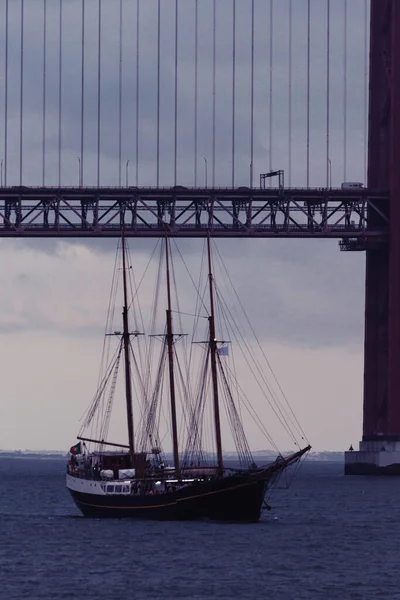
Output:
x=380 y=446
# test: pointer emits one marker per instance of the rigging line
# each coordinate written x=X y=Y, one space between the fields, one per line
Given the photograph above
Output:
x=145 y=271
x=199 y=301
x=120 y=97
x=137 y=87
x=195 y=436
x=176 y=94
x=185 y=354
x=259 y=345
x=214 y=88
x=240 y=435
x=186 y=413
x=308 y=89
x=158 y=91
x=180 y=312
x=252 y=97
x=112 y=299
x=6 y=94
x=366 y=93
x=44 y=93
x=140 y=381
x=133 y=289
x=153 y=314
x=137 y=312
x=60 y=41
x=345 y=93
x=256 y=418
x=290 y=89
x=196 y=84
x=280 y=408
x=280 y=416
x=106 y=422
x=21 y=115
x=190 y=276
x=99 y=93
x=89 y=412
x=235 y=383
x=110 y=313
x=233 y=91
x=271 y=64
x=328 y=47
x=82 y=90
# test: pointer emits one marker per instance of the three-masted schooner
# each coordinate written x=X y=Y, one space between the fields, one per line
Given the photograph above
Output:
x=134 y=479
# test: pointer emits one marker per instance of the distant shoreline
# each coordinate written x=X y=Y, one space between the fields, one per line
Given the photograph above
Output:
x=258 y=456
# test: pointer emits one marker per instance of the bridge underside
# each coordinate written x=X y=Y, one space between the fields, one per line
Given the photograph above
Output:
x=358 y=217
x=380 y=447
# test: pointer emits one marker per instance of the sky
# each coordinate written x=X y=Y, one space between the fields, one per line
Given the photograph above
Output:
x=305 y=298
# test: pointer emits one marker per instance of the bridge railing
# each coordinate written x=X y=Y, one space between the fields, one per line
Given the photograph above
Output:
x=191 y=212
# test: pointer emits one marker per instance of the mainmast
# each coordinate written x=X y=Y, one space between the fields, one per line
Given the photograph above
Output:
x=213 y=353
x=126 y=341
x=170 y=347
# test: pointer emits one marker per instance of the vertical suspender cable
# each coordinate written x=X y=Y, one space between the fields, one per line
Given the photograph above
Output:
x=214 y=88
x=176 y=96
x=252 y=97
x=120 y=98
x=82 y=92
x=308 y=89
x=158 y=91
x=44 y=94
x=271 y=64
x=328 y=31
x=60 y=89
x=99 y=94
x=21 y=113
x=6 y=96
x=366 y=93
x=345 y=93
x=137 y=88
x=196 y=83
x=233 y=91
x=290 y=92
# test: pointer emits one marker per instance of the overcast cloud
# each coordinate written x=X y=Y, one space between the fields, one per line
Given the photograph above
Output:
x=306 y=299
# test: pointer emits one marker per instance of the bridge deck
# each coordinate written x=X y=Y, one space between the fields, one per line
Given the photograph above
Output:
x=193 y=212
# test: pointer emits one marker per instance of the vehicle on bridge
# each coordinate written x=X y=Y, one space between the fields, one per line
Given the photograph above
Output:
x=352 y=185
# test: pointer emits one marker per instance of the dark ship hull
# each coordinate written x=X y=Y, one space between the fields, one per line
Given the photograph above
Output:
x=235 y=498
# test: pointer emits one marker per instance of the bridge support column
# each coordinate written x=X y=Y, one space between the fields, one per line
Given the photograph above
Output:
x=379 y=451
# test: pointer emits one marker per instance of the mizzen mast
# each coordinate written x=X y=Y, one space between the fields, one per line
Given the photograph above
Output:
x=213 y=355
x=170 y=348
x=126 y=341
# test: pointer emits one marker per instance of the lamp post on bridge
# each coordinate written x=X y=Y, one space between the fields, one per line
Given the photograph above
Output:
x=1 y=172
x=127 y=173
x=330 y=173
x=205 y=170
x=79 y=172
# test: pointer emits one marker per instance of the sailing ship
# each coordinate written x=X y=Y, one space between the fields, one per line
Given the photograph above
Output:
x=136 y=479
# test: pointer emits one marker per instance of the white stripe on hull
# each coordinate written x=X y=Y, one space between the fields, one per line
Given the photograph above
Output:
x=86 y=486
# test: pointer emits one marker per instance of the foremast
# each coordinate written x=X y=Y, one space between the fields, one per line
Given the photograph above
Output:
x=213 y=358
x=127 y=360
x=170 y=348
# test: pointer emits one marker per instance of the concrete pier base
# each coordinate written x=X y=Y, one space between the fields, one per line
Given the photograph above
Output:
x=378 y=457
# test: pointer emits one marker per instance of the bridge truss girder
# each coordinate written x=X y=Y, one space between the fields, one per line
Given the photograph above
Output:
x=224 y=212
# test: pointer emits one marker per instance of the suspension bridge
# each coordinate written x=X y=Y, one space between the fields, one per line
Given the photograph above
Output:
x=255 y=118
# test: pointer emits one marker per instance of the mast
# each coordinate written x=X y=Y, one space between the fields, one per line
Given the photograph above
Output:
x=213 y=353
x=126 y=341
x=170 y=347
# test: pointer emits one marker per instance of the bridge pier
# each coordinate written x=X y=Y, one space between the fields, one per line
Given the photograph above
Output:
x=379 y=450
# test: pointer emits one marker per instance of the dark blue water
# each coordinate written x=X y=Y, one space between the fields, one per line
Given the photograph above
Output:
x=327 y=537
